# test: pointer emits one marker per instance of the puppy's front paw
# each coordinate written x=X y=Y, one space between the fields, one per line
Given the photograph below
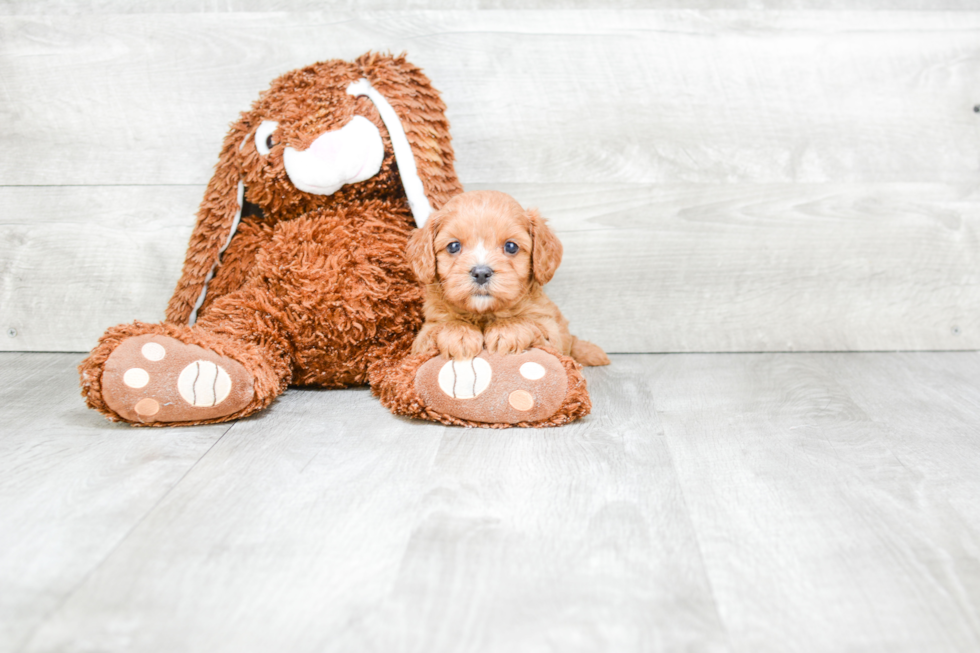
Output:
x=509 y=339
x=460 y=341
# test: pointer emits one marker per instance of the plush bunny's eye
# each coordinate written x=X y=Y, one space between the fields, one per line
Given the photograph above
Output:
x=263 y=136
x=511 y=247
x=453 y=247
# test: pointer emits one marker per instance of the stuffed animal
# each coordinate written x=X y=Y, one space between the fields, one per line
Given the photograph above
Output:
x=296 y=273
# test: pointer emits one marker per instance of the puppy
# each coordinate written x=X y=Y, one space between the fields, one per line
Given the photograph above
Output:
x=483 y=260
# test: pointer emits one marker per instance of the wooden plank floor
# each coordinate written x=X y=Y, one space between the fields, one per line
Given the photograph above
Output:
x=730 y=502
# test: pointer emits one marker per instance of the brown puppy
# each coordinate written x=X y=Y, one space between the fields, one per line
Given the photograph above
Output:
x=484 y=260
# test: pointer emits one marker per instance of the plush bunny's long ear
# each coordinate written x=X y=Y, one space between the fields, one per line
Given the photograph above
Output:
x=400 y=88
x=217 y=220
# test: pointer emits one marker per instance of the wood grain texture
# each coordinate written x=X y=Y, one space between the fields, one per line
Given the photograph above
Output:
x=683 y=267
x=327 y=524
x=77 y=260
x=711 y=502
x=286 y=533
x=723 y=180
x=933 y=396
x=88 y=7
x=72 y=486
x=780 y=267
x=569 y=539
x=543 y=97
x=818 y=532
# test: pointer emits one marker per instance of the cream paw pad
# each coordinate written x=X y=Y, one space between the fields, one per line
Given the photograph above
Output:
x=154 y=378
x=493 y=388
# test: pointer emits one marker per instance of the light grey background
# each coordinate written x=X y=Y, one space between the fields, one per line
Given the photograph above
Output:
x=723 y=179
x=726 y=176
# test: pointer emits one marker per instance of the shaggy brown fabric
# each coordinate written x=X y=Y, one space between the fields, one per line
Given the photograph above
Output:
x=311 y=289
x=307 y=103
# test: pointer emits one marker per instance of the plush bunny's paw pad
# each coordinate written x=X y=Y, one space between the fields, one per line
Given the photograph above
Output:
x=153 y=378
x=494 y=388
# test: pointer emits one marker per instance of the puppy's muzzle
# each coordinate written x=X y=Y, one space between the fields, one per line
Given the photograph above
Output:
x=481 y=274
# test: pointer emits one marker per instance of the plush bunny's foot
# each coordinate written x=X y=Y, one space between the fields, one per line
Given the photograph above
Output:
x=534 y=388
x=155 y=378
x=509 y=389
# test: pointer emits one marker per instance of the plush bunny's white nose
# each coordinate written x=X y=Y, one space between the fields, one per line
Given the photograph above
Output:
x=348 y=155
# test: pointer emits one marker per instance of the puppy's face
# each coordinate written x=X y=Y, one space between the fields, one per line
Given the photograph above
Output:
x=484 y=250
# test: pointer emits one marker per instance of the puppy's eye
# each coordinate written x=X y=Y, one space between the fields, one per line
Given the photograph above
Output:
x=263 y=136
x=453 y=247
x=511 y=247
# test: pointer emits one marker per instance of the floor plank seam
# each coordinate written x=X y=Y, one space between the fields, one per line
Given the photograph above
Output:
x=419 y=501
x=88 y=574
x=694 y=531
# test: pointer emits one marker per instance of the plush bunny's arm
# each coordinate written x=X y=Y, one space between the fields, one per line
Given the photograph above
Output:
x=216 y=222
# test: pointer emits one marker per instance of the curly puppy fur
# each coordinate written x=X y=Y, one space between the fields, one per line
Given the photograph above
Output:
x=312 y=289
x=483 y=260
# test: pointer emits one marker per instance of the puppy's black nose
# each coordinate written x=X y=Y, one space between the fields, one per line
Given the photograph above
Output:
x=481 y=273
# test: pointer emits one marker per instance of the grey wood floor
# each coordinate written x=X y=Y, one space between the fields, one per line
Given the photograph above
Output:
x=732 y=502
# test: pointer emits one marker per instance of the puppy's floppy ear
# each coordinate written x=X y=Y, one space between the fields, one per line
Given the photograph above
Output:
x=421 y=252
x=546 y=250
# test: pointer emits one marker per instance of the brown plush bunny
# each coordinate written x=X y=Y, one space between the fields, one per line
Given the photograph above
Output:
x=296 y=270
